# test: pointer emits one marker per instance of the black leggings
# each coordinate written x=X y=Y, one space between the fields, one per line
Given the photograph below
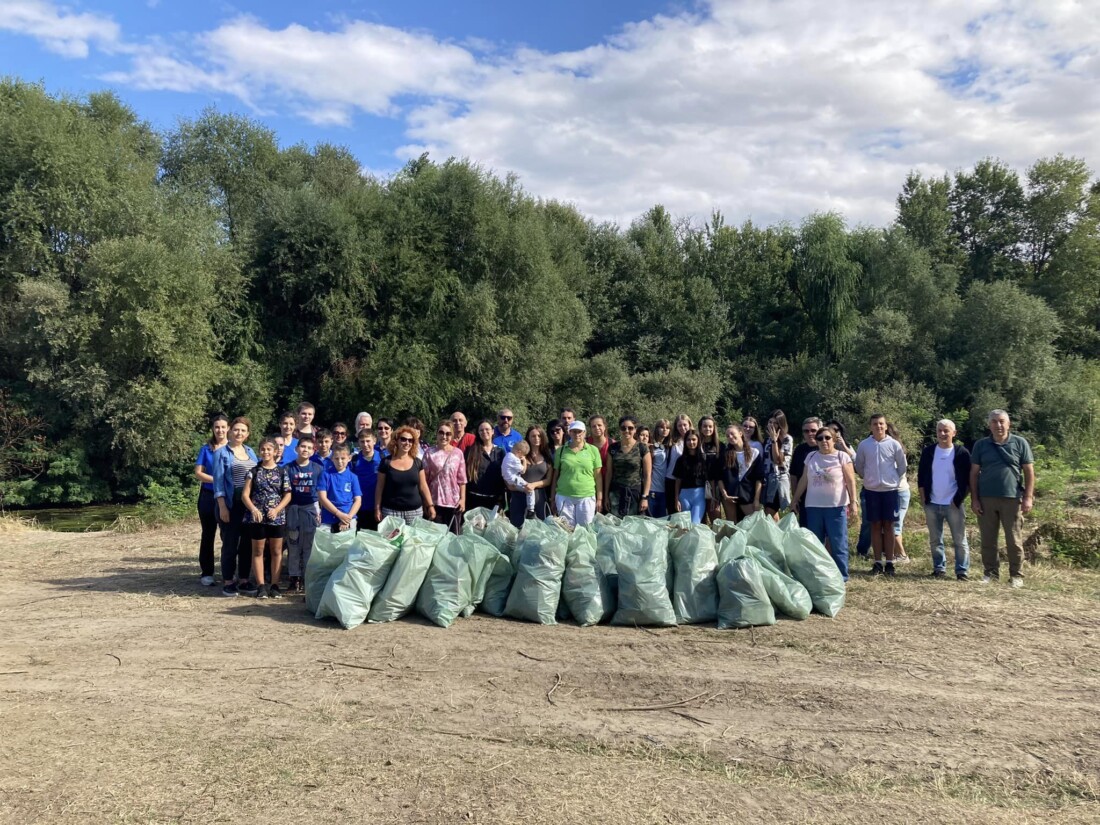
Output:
x=208 y=518
x=236 y=545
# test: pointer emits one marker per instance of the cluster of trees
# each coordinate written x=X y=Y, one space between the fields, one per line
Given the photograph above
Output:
x=147 y=280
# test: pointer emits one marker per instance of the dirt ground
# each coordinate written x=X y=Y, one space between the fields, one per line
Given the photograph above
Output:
x=128 y=693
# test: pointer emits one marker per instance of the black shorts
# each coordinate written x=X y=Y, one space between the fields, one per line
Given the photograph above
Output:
x=881 y=505
x=261 y=532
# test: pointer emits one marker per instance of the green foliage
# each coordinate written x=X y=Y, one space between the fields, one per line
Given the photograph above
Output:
x=166 y=504
x=149 y=280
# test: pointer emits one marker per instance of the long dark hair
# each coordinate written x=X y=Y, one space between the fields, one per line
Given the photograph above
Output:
x=544 y=443
x=780 y=422
x=475 y=455
x=712 y=445
x=214 y=419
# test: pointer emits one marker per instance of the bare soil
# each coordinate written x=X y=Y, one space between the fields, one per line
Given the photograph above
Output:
x=128 y=693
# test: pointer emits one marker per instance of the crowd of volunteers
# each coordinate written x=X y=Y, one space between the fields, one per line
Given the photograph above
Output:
x=308 y=478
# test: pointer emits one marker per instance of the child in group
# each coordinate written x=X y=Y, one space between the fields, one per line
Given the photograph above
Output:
x=303 y=514
x=365 y=465
x=339 y=493
x=265 y=497
x=513 y=468
x=306 y=412
x=323 y=449
x=286 y=439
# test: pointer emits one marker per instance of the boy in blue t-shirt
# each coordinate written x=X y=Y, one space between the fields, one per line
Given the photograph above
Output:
x=303 y=514
x=323 y=449
x=287 y=423
x=365 y=466
x=339 y=493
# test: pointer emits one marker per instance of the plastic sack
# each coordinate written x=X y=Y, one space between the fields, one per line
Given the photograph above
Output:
x=601 y=520
x=503 y=535
x=391 y=527
x=811 y=564
x=788 y=595
x=641 y=562
x=448 y=586
x=762 y=532
x=540 y=566
x=694 y=589
x=353 y=585
x=742 y=599
x=481 y=556
x=733 y=547
x=498 y=585
x=417 y=546
x=605 y=563
x=329 y=552
x=658 y=535
x=584 y=588
x=722 y=528
x=681 y=520
x=476 y=520
x=787 y=523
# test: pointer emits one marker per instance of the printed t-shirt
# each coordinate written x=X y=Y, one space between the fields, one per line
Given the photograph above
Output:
x=267 y=490
x=446 y=473
x=341 y=489
x=825 y=479
x=303 y=483
x=575 y=469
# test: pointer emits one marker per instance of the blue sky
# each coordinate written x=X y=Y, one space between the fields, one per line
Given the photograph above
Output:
x=763 y=109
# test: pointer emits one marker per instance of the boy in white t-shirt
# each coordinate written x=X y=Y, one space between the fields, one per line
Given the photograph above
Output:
x=513 y=468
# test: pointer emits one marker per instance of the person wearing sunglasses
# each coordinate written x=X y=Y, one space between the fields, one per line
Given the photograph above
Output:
x=555 y=434
x=504 y=435
x=810 y=426
x=340 y=436
x=402 y=484
x=445 y=469
x=829 y=483
x=629 y=472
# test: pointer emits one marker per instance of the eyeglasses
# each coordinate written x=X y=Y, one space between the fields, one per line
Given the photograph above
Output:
x=404 y=440
x=810 y=430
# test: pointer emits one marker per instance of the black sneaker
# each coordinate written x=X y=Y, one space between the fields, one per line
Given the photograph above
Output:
x=275 y=591
x=962 y=577
x=261 y=593
x=876 y=569
x=939 y=574
x=229 y=590
x=247 y=589
x=890 y=569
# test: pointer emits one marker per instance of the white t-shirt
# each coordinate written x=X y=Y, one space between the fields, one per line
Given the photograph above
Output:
x=674 y=454
x=944 y=485
x=825 y=485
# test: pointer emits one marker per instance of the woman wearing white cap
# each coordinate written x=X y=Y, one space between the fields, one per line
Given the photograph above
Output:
x=576 y=489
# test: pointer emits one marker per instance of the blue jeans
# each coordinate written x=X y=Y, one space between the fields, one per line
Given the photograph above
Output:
x=658 y=507
x=903 y=508
x=833 y=523
x=694 y=500
x=955 y=517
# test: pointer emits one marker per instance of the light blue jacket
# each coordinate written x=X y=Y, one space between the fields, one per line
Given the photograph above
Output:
x=223 y=472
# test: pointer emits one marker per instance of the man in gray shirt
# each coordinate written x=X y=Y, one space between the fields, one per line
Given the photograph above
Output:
x=880 y=462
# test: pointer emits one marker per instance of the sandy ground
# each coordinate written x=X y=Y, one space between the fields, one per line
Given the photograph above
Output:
x=128 y=693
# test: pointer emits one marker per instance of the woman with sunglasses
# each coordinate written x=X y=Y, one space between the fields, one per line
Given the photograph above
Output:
x=555 y=433
x=829 y=483
x=484 y=481
x=629 y=469
x=445 y=468
x=402 y=484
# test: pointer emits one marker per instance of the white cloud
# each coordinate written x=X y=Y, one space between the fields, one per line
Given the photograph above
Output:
x=67 y=33
x=768 y=109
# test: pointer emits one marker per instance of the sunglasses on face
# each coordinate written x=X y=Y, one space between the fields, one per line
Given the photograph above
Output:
x=444 y=432
x=810 y=430
x=627 y=429
x=506 y=418
x=824 y=438
x=339 y=432
x=404 y=440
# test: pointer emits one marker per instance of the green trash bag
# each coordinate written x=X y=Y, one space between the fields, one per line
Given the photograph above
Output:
x=742 y=599
x=787 y=523
x=476 y=520
x=328 y=552
x=722 y=528
x=605 y=563
x=811 y=564
x=482 y=557
x=681 y=520
x=498 y=585
x=584 y=588
x=353 y=585
x=601 y=520
x=417 y=546
x=503 y=535
x=788 y=595
x=733 y=547
x=449 y=585
x=695 y=565
x=762 y=532
x=391 y=527
x=539 y=570
x=641 y=562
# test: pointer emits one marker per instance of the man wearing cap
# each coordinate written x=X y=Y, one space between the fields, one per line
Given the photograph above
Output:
x=503 y=434
x=576 y=490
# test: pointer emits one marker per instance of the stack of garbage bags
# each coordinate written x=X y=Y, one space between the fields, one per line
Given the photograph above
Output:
x=633 y=571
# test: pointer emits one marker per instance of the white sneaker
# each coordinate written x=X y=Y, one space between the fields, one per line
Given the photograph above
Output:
x=1017 y=581
x=987 y=579
x=207 y=581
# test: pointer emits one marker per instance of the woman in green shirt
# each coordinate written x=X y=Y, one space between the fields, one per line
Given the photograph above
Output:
x=577 y=490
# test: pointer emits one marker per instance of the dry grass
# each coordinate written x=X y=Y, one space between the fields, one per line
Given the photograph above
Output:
x=131 y=694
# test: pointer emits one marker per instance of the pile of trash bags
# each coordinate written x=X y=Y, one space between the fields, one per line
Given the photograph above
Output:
x=634 y=571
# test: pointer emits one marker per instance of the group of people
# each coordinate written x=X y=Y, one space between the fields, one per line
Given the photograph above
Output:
x=308 y=478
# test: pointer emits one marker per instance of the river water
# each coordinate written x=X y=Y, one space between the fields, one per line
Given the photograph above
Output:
x=78 y=519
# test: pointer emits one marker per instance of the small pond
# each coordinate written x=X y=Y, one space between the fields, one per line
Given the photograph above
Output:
x=78 y=519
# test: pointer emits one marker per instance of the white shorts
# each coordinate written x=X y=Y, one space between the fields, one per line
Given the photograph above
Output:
x=577 y=512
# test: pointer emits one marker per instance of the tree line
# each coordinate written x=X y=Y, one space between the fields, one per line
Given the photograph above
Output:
x=149 y=279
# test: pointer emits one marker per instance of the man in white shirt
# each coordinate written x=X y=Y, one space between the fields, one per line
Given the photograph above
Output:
x=880 y=462
x=943 y=479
